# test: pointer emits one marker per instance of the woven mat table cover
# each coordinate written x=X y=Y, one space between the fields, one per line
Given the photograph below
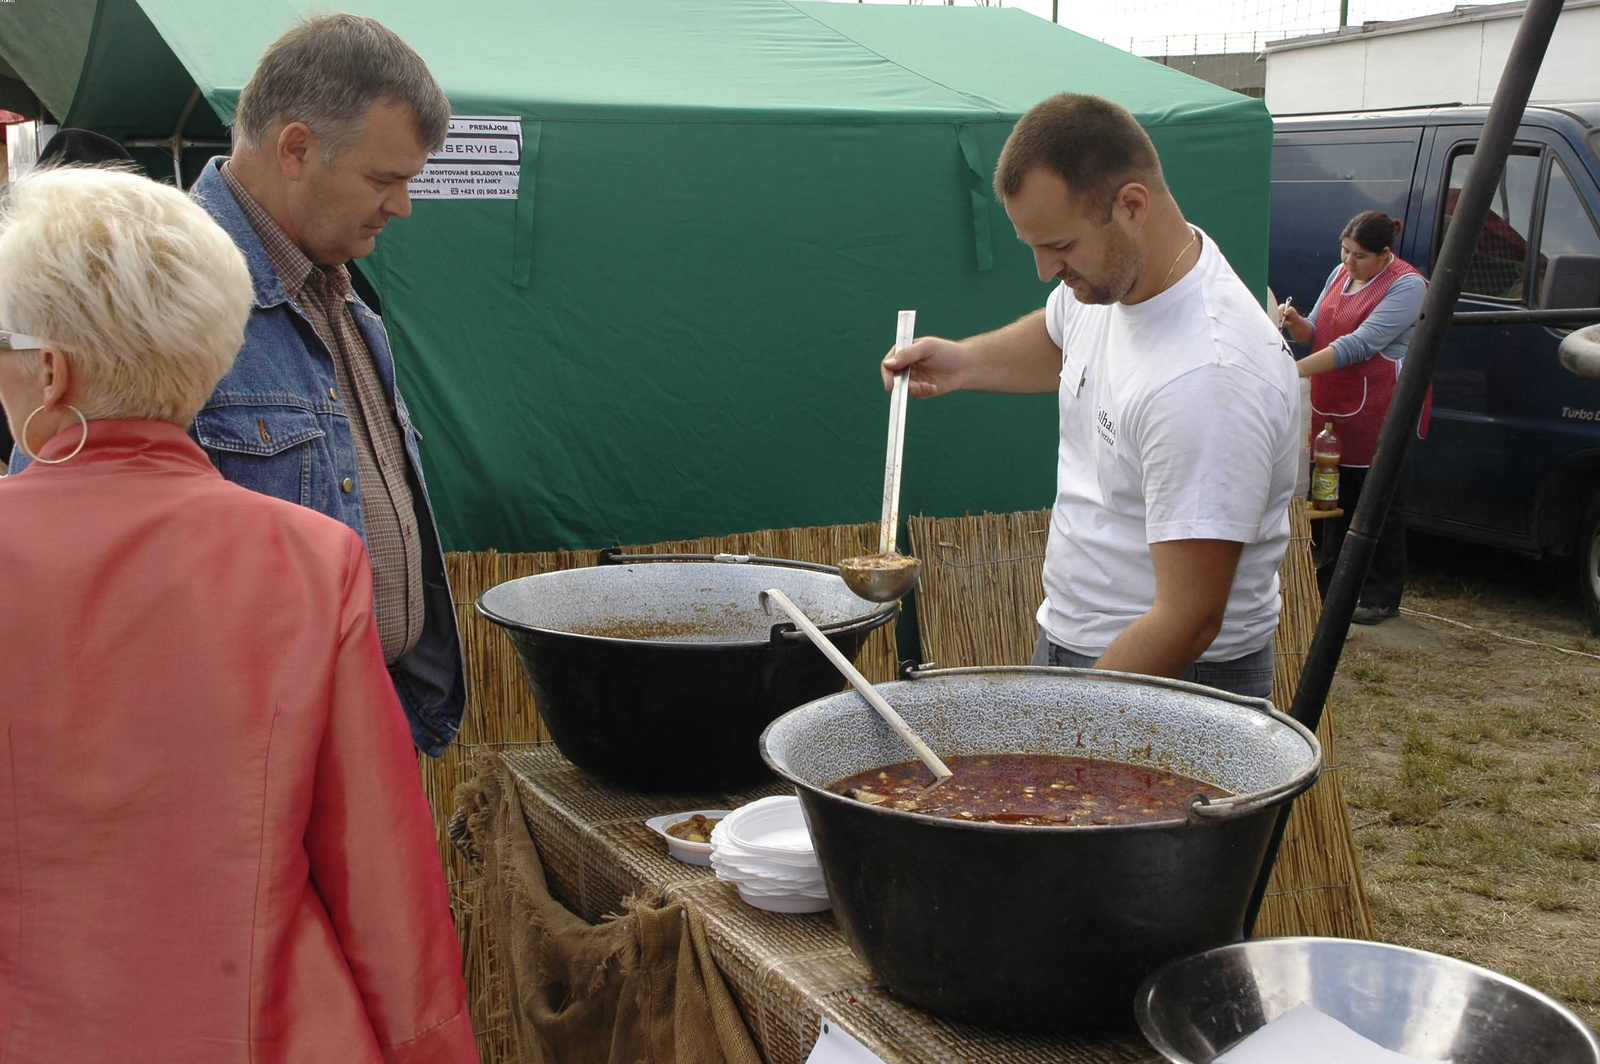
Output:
x=786 y=971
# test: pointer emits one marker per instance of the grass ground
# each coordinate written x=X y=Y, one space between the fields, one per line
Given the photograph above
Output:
x=1474 y=769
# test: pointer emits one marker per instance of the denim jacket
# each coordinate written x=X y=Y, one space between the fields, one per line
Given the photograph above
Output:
x=272 y=425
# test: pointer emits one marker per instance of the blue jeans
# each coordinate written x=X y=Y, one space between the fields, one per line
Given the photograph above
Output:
x=1250 y=675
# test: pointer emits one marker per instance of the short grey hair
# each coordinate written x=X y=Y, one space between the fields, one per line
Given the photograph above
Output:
x=327 y=72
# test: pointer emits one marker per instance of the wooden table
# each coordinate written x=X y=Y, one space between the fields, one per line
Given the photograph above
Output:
x=785 y=971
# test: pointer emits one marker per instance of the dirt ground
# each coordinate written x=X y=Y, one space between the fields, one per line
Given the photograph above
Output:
x=1473 y=768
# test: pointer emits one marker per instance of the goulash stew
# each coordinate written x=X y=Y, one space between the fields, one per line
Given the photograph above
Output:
x=1030 y=789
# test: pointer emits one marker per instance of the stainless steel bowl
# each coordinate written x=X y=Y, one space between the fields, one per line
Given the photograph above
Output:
x=1406 y=1000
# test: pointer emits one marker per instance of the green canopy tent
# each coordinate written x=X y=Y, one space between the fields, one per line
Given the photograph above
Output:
x=15 y=96
x=672 y=330
x=42 y=47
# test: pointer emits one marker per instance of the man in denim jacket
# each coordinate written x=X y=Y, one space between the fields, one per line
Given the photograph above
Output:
x=338 y=116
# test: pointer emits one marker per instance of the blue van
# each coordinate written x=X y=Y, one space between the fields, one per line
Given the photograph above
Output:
x=1513 y=454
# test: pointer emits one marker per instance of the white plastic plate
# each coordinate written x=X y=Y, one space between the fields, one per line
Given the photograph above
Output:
x=786 y=903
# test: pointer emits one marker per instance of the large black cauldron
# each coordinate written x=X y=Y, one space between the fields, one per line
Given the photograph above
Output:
x=659 y=672
x=1041 y=928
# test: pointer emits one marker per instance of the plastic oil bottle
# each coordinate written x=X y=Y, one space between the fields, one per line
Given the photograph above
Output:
x=1325 y=472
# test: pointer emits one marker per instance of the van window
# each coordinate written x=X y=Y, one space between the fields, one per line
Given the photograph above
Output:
x=1499 y=263
x=1567 y=230
x=1377 y=159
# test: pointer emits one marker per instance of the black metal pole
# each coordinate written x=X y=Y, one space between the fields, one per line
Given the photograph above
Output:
x=1355 y=556
x=1552 y=318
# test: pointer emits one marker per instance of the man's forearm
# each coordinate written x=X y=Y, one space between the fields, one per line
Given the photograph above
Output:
x=1019 y=358
x=1161 y=643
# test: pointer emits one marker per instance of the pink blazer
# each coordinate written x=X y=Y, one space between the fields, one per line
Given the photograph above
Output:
x=214 y=845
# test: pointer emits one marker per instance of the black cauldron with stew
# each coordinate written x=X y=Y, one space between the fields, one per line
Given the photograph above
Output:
x=1041 y=926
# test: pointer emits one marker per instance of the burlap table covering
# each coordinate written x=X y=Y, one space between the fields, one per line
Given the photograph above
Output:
x=785 y=971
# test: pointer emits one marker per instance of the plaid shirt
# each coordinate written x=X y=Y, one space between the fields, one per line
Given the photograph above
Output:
x=382 y=470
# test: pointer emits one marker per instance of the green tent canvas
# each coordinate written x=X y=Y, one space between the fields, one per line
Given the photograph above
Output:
x=673 y=329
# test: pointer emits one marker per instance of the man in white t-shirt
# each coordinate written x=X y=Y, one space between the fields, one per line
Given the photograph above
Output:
x=1178 y=418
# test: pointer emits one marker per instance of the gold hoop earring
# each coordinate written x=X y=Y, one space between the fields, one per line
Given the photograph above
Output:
x=22 y=437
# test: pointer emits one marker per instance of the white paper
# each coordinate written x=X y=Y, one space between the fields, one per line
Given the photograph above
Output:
x=834 y=1046
x=1306 y=1036
x=481 y=159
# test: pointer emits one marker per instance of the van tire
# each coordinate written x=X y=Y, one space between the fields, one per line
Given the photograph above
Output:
x=1589 y=564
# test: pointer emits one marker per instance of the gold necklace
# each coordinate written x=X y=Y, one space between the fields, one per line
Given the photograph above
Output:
x=1194 y=234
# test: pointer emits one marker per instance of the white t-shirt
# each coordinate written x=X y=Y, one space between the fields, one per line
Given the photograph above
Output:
x=1178 y=421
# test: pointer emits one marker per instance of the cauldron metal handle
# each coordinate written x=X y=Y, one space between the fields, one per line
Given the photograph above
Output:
x=787 y=631
x=616 y=556
x=1261 y=705
x=1202 y=809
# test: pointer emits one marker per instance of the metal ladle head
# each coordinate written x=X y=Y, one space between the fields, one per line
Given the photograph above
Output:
x=881 y=577
x=889 y=575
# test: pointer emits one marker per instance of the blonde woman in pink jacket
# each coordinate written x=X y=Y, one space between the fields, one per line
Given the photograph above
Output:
x=214 y=847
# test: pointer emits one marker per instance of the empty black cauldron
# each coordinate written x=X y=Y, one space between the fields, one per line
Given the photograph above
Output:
x=659 y=672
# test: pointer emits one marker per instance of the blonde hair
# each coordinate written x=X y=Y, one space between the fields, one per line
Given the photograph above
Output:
x=131 y=280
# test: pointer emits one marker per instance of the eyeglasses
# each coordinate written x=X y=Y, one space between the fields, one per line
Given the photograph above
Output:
x=16 y=341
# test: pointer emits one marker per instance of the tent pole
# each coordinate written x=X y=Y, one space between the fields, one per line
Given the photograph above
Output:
x=175 y=144
x=1499 y=130
x=177 y=135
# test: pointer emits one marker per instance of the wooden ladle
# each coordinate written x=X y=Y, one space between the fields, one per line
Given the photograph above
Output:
x=923 y=751
x=889 y=575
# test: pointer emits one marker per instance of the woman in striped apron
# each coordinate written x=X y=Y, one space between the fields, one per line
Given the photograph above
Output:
x=1359 y=332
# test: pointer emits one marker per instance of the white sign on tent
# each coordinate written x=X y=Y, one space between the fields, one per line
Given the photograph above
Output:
x=481 y=159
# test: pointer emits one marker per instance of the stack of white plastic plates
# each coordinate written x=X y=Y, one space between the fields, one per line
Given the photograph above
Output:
x=765 y=850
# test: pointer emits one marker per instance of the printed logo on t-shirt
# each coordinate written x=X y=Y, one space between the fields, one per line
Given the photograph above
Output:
x=1106 y=427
